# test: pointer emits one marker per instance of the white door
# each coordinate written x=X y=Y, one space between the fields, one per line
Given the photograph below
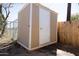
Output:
x=44 y=26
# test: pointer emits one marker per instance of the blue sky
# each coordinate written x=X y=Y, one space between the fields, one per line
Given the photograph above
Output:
x=60 y=8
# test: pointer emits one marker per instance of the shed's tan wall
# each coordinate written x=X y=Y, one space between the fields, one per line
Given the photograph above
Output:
x=53 y=26
x=23 y=25
x=23 y=28
x=35 y=26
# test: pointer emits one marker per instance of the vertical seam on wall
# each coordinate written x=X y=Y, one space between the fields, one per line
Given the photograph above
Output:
x=56 y=28
x=39 y=25
x=30 y=32
x=50 y=27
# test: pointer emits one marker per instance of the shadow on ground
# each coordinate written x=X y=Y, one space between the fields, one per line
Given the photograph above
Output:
x=50 y=50
x=18 y=50
x=68 y=49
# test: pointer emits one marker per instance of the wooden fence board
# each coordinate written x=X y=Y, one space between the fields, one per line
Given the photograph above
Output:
x=69 y=33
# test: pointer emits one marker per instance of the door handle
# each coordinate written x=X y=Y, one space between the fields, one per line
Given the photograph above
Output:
x=41 y=28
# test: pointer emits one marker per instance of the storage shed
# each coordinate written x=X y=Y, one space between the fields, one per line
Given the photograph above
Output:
x=37 y=26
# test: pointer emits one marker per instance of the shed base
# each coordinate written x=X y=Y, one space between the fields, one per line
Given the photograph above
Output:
x=31 y=49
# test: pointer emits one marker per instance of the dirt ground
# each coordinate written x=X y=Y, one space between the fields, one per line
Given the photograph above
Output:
x=66 y=50
x=51 y=50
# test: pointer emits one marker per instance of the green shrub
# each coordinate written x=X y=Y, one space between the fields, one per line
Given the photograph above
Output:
x=75 y=17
